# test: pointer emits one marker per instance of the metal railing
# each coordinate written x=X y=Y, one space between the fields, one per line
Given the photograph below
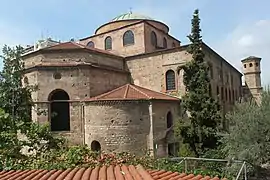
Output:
x=241 y=171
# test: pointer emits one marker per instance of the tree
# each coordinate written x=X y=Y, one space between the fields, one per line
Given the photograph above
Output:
x=14 y=98
x=16 y=128
x=201 y=131
x=249 y=133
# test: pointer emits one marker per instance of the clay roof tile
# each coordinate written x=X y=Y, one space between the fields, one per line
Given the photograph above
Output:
x=132 y=92
x=123 y=172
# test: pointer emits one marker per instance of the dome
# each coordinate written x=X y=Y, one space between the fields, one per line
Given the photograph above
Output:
x=130 y=16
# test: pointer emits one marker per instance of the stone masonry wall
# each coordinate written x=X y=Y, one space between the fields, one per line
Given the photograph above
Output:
x=160 y=36
x=149 y=71
x=118 y=126
x=74 y=57
x=117 y=41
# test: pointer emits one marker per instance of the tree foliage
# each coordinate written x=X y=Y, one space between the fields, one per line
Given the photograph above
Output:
x=17 y=131
x=200 y=131
x=249 y=137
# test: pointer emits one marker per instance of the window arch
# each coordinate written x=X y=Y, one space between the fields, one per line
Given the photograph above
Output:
x=164 y=43
x=170 y=80
x=128 y=38
x=108 y=43
x=59 y=110
x=169 y=119
x=91 y=44
x=153 y=39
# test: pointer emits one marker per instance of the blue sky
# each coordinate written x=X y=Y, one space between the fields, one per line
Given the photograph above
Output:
x=234 y=28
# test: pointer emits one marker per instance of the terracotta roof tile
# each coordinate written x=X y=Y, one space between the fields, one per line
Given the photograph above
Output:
x=132 y=92
x=124 y=172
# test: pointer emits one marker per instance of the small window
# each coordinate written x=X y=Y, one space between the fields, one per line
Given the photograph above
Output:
x=245 y=66
x=210 y=90
x=222 y=93
x=170 y=80
x=211 y=71
x=230 y=96
x=108 y=43
x=169 y=120
x=153 y=39
x=226 y=94
x=257 y=64
x=91 y=44
x=57 y=75
x=250 y=64
x=217 y=90
x=128 y=38
x=173 y=44
x=164 y=43
x=95 y=146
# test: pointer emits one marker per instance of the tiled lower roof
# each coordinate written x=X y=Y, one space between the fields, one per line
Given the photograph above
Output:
x=133 y=92
x=111 y=172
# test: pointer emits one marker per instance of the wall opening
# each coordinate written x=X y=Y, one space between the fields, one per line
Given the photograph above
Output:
x=95 y=146
x=169 y=119
x=59 y=110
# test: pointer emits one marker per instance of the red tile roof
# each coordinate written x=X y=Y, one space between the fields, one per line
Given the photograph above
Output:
x=76 y=46
x=124 y=172
x=132 y=92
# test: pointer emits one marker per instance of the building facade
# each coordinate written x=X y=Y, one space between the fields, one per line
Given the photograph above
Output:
x=120 y=89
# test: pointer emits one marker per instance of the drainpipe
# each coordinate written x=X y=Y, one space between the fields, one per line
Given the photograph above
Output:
x=151 y=132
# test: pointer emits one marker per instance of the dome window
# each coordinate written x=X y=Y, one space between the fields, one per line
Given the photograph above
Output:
x=108 y=43
x=91 y=44
x=153 y=39
x=128 y=38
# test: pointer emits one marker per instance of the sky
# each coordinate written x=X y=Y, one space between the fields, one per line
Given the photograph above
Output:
x=234 y=28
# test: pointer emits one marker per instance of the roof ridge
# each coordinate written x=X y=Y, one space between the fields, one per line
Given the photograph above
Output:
x=126 y=91
x=134 y=87
x=156 y=92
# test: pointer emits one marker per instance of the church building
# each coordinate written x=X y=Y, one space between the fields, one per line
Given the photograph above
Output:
x=120 y=89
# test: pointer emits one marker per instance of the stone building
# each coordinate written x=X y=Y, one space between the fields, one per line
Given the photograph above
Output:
x=114 y=90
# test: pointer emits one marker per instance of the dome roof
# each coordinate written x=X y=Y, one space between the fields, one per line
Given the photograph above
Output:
x=130 y=16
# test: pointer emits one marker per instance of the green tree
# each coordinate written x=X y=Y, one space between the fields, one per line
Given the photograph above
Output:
x=200 y=132
x=14 y=98
x=16 y=128
x=249 y=133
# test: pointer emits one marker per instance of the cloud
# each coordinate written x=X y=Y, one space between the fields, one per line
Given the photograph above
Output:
x=249 y=39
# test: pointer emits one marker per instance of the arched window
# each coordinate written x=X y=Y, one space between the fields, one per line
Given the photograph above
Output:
x=95 y=146
x=164 y=43
x=210 y=90
x=153 y=39
x=173 y=44
x=211 y=72
x=59 y=110
x=170 y=80
x=91 y=44
x=128 y=38
x=169 y=119
x=108 y=43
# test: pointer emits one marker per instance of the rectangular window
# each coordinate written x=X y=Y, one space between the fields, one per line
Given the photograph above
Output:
x=222 y=93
